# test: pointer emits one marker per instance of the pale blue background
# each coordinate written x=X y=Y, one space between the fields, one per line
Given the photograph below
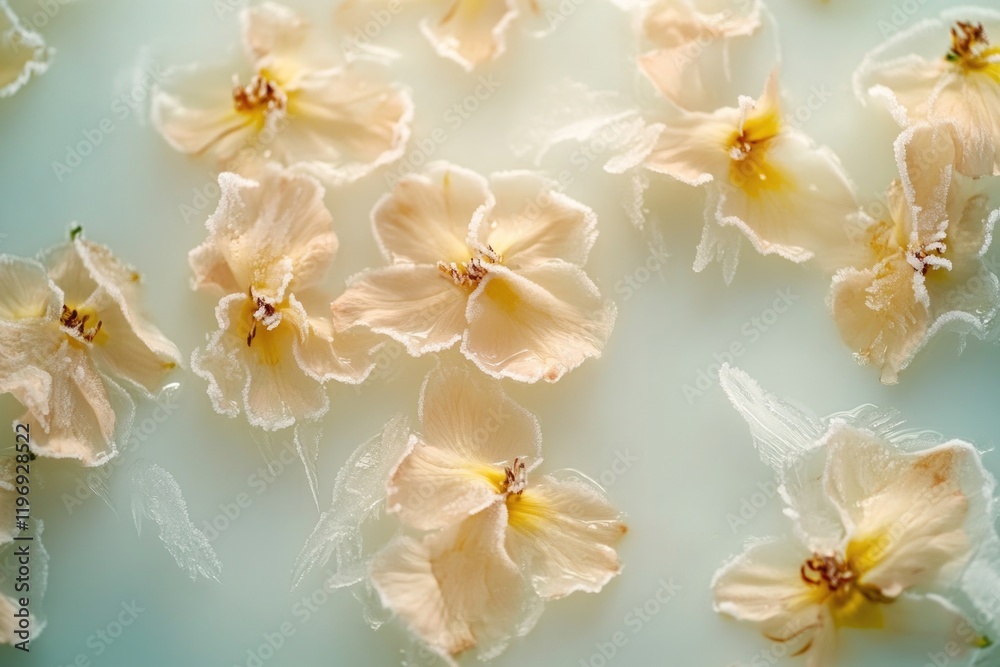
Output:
x=695 y=459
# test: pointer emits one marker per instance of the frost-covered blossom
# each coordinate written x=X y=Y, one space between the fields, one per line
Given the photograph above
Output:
x=919 y=268
x=687 y=39
x=23 y=52
x=497 y=265
x=891 y=533
x=944 y=69
x=294 y=105
x=764 y=178
x=500 y=538
x=270 y=243
x=68 y=325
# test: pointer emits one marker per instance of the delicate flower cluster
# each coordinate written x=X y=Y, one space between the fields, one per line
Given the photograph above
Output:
x=487 y=540
x=295 y=106
x=891 y=532
x=71 y=329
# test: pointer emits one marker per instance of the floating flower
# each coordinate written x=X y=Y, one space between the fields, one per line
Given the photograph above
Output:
x=497 y=265
x=920 y=268
x=682 y=34
x=67 y=324
x=944 y=69
x=328 y=119
x=269 y=244
x=884 y=532
x=765 y=178
x=499 y=535
x=23 y=52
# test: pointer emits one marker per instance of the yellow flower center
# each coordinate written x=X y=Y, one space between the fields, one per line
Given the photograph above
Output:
x=749 y=168
x=472 y=272
x=263 y=333
x=261 y=96
x=836 y=581
x=82 y=321
x=971 y=50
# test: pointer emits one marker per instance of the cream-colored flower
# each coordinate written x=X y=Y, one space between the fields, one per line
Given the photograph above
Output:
x=919 y=268
x=66 y=325
x=683 y=36
x=944 y=69
x=23 y=52
x=496 y=265
x=765 y=178
x=885 y=536
x=270 y=243
x=332 y=120
x=498 y=534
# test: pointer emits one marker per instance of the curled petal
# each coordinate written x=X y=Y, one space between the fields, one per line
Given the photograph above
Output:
x=532 y=222
x=564 y=533
x=471 y=32
x=455 y=589
x=324 y=354
x=271 y=29
x=881 y=313
x=25 y=290
x=539 y=323
x=23 y=52
x=412 y=304
x=426 y=217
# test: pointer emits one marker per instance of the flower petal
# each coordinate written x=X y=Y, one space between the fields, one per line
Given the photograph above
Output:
x=693 y=146
x=881 y=314
x=344 y=123
x=23 y=52
x=426 y=217
x=532 y=222
x=905 y=512
x=539 y=323
x=563 y=533
x=456 y=589
x=273 y=235
x=414 y=305
x=763 y=586
x=272 y=29
x=324 y=355
x=471 y=32
x=25 y=290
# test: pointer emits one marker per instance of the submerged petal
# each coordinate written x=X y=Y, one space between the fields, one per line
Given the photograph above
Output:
x=564 y=533
x=455 y=589
x=537 y=323
x=23 y=52
x=471 y=32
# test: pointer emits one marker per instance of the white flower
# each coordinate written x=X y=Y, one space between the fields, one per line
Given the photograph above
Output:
x=885 y=532
x=919 y=269
x=944 y=69
x=270 y=243
x=23 y=52
x=331 y=120
x=499 y=534
x=765 y=178
x=66 y=326
x=496 y=265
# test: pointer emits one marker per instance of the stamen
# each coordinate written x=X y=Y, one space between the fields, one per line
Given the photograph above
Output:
x=829 y=571
x=265 y=313
x=72 y=320
x=516 y=477
x=261 y=94
x=473 y=271
x=968 y=40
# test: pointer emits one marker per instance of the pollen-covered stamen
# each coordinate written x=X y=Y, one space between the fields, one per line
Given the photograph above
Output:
x=473 y=271
x=265 y=313
x=830 y=571
x=968 y=42
x=261 y=94
x=516 y=477
x=927 y=256
x=71 y=319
